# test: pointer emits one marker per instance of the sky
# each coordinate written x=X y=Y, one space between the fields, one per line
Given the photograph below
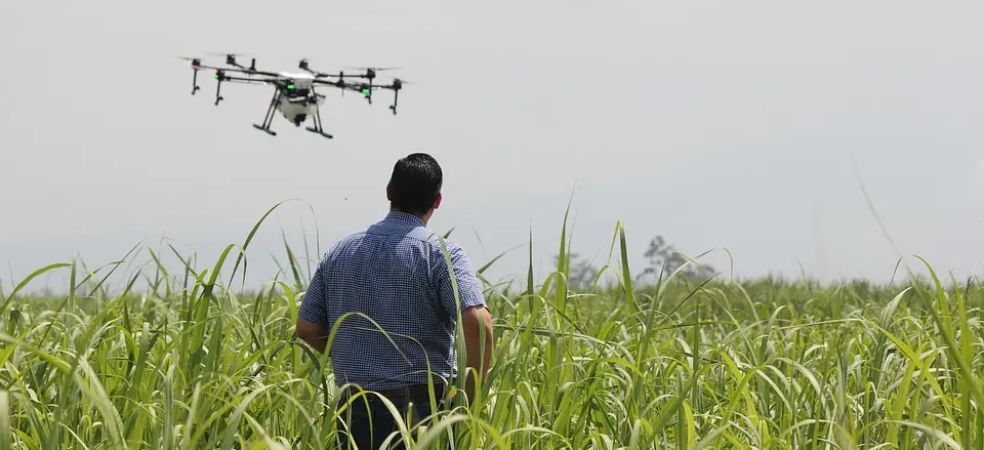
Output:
x=746 y=126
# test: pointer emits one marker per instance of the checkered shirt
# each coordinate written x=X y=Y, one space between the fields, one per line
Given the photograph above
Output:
x=395 y=273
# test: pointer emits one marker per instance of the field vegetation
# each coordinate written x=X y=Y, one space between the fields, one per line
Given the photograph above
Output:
x=194 y=362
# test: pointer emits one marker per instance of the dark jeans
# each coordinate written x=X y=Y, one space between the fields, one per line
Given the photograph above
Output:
x=370 y=424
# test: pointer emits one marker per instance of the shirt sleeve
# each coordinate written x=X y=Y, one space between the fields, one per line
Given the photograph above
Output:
x=314 y=307
x=469 y=288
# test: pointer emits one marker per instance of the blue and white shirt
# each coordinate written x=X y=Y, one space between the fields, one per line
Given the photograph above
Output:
x=395 y=273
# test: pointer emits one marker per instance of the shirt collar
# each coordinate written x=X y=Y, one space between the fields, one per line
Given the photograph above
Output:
x=402 y=217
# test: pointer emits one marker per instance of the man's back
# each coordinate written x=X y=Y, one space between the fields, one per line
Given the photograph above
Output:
x=394 y=277
x=394 y=273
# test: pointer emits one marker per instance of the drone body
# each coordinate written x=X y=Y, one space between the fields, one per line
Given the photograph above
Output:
x=298 y=100
x=295 y=95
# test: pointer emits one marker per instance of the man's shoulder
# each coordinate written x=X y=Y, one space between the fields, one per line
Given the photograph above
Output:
x=343 y=243
x=439 y=245
x=420 y=236
x=351 y=238
x=431 y=242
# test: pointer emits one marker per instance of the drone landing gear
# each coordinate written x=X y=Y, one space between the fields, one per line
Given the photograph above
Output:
x=265 y=130
x=321 y=132
x=268 y=118
x=317 y=129
x=396 y=98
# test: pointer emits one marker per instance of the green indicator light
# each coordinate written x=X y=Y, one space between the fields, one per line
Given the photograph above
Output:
x=366 y=91
x=291 y=87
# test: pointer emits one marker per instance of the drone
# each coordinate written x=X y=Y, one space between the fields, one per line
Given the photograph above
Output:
x=294 y=94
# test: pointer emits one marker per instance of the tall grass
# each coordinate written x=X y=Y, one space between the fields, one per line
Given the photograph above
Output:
x=193 y=363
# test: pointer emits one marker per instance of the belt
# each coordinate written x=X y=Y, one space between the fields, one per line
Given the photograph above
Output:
x=413 y=392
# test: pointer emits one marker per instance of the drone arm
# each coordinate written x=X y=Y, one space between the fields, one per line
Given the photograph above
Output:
x=338 y=84
x=249 y=80
x=239 y=69
x=222 y=77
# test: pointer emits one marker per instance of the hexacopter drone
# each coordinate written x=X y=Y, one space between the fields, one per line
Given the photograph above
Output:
x=294 y=93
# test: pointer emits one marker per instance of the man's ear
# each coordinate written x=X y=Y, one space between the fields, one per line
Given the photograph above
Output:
x=437 y=201
x=389 y=191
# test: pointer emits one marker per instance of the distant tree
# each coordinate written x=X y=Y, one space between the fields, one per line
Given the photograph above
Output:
x=582 y=273
x=665 y=257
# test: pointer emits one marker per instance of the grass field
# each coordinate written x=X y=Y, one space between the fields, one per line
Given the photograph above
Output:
x=192 y=363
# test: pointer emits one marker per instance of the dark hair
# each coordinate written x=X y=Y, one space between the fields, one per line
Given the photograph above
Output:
x=415 y=183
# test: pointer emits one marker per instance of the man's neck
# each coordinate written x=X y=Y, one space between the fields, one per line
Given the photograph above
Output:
x=423 y=217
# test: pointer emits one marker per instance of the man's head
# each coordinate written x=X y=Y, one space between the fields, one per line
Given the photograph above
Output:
x=415 y=186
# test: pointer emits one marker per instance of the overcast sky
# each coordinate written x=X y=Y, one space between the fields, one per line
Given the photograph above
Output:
x=715 y=124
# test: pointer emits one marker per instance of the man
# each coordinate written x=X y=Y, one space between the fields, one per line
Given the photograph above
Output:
x=395 y=274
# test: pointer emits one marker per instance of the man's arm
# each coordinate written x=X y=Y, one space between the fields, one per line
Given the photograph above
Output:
x=312 y=333
x=476 y=323
x=312 y=317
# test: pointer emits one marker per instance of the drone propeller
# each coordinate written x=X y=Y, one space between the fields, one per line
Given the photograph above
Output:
x=396 y=84
x=227 y=55
x=304 y=65
x=377 y=69
x=195 y=61
x=370 y=72
x=230 y=59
